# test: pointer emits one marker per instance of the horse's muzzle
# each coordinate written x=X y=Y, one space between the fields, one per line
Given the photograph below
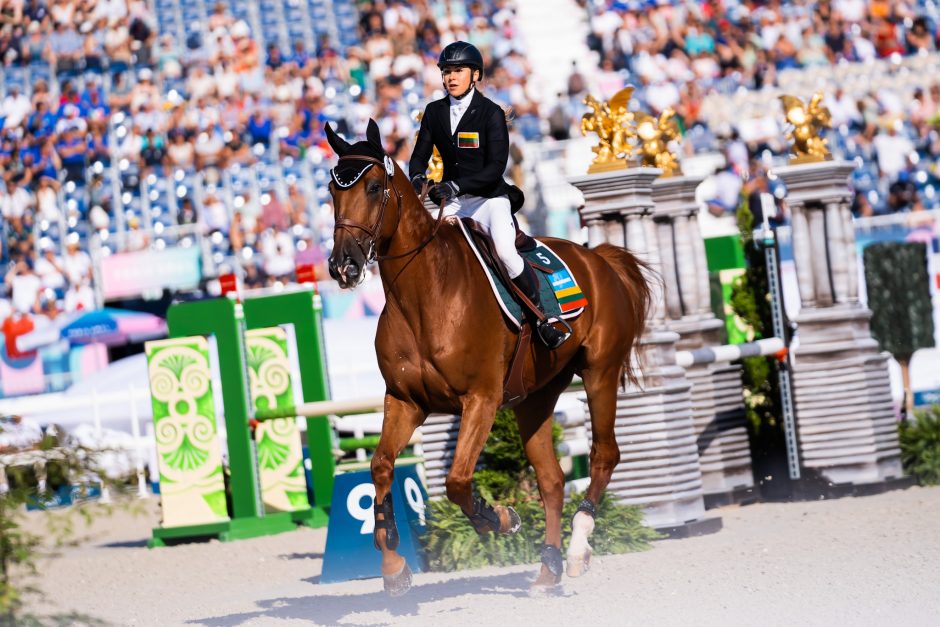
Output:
x=348 y=273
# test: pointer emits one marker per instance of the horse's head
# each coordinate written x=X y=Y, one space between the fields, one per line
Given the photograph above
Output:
x=362 y=188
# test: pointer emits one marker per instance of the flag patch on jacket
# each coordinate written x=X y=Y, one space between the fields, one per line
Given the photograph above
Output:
x=468 y=140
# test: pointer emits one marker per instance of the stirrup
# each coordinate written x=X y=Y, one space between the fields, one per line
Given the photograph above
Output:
x=555 y=342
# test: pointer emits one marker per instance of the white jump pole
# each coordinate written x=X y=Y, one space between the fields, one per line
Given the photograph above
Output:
x=96 y=414
x=729 y=352
x=138 y=459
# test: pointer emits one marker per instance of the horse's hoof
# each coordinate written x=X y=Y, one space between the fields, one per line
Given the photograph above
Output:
x=579 y=564
x=546 y=583
x=399 y=583
x=515 y=522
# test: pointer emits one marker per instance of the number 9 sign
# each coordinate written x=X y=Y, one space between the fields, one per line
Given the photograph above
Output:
x=415 y=498
x=349 y=552
x=357 y=511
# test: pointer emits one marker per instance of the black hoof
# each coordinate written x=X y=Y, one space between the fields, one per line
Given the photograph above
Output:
x=399 y=583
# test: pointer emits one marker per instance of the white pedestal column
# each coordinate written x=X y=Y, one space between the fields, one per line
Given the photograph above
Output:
x=845 y=416
x=717 y=394
x=659 y=468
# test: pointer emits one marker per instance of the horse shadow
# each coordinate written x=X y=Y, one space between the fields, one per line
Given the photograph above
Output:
x=333 y=609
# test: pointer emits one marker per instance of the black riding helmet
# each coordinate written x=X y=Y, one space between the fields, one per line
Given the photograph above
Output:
x=463 y=54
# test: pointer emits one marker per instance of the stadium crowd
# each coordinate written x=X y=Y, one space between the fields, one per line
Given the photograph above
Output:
x=678 y=53
x=108 y=87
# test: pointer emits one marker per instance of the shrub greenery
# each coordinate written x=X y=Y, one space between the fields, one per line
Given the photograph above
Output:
x=22 y=545
x=451 y=543
x=920 y=446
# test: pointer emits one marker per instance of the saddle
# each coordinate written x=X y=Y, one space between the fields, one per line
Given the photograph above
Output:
x=514 y=390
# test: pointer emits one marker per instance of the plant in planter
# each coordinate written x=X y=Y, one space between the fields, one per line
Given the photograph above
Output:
x=920 y=446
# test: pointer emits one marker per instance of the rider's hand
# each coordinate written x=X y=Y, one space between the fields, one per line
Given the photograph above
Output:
x=443 y=193
x=418 y=181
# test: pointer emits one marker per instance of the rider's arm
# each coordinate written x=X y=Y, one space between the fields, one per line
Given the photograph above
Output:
x=423 y=148
x=496 y=146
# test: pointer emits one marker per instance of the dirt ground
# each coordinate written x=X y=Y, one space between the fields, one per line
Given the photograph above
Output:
x=853 y=561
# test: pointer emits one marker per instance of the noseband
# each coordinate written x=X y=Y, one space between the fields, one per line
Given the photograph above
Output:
x=368 y=247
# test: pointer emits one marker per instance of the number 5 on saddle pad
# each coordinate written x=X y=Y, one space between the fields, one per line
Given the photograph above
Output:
x=349 y=552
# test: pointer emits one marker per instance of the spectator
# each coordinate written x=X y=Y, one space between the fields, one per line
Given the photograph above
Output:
x=24 y=286
x=180 y=153
x=73 y=150
x=47 y=200
x=50 y=271
x=273 y=214
x=893 y=149
x=17 y=201
x=15 y=108
x=137 y=238
x=727 y=191
x=152 y=152
x=260 y=127
x=214 y=214
x=65 y=50
x=79 y=297
x=76 y=263
x=297 y=204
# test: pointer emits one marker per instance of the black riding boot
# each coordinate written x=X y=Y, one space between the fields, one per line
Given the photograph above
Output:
x=528 y=282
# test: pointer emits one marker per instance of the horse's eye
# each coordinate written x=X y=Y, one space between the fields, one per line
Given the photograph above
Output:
x=373 y=187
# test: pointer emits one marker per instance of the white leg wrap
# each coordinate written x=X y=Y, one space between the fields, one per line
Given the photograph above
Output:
x=582 y=525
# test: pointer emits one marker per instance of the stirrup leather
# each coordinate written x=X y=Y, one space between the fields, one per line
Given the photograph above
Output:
x=388 y=524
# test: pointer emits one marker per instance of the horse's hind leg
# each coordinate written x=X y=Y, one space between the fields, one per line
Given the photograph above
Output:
x=535 y=428
x=399 y=423
x=601 y=387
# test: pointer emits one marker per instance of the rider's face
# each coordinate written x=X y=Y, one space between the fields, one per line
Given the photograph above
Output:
x=456 y=79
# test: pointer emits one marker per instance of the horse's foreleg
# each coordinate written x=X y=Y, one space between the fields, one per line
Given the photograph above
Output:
x=476 y=421
x=601 y=388
x=400 y=421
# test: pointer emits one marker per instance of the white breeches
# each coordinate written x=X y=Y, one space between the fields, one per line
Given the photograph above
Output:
x=495 y=216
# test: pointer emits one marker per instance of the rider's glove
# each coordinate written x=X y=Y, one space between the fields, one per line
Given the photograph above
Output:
x=418 y=181
x=443 y=192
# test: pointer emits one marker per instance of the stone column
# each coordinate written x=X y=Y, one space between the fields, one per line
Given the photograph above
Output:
x=659 y=467
x=845 y=416
x=717 y=394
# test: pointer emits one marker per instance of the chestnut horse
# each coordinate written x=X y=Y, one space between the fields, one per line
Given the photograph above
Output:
x=444 y=346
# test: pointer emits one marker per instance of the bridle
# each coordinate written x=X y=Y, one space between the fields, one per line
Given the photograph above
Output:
x=367 y=246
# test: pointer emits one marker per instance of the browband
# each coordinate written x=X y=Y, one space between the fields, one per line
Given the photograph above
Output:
x=387 y=163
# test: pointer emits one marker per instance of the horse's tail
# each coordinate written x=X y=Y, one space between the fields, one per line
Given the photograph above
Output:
x=632 y=273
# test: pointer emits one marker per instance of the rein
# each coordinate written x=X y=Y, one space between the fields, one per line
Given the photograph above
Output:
x=373 y=232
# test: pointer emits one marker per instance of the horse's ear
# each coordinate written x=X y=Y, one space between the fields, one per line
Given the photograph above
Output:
x=339 y=145
x=373 y=136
